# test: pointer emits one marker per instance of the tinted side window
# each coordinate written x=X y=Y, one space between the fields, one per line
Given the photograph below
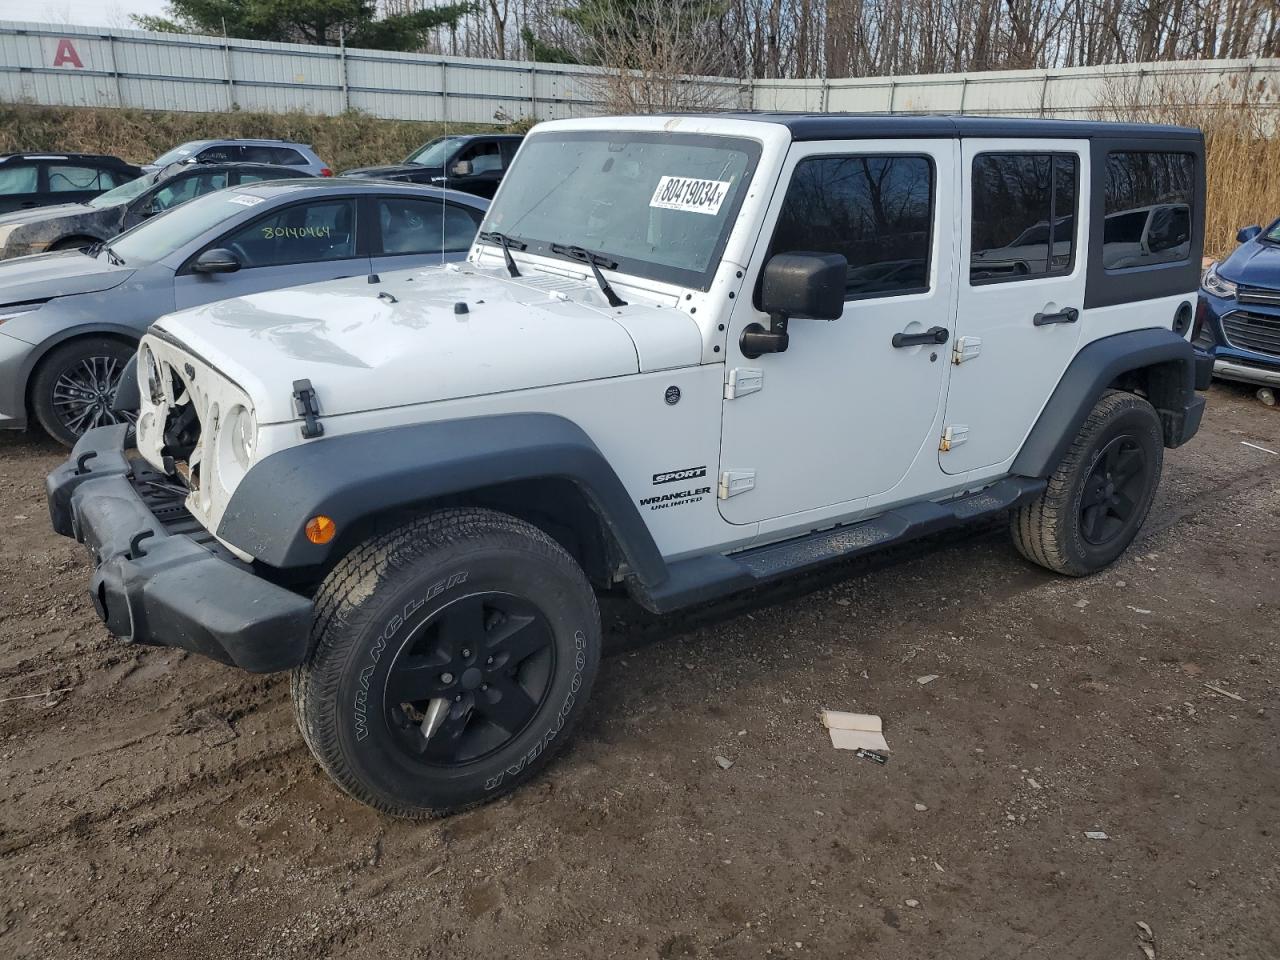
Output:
x=421 y=226
x=253 y=176
x=306 y=233
x=18 y=178
x=1024 y=222
x=181 y=189
x=225 y=153
x=484 y=157
x=1148 y=208
x=876 y=212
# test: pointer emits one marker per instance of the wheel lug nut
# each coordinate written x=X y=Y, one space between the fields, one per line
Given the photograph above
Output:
x=458 y=698
x=466 y=653
x=489 y=661
x=446 y=678
x=484 y=686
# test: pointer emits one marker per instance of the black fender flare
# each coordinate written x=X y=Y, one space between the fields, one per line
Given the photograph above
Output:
x=1096 y=367
x=354 y=476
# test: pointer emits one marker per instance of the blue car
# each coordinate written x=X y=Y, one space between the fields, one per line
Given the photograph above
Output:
x=1238 y=316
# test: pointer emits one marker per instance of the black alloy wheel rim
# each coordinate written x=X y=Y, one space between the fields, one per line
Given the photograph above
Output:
x=84 y=392
x=1114 y=491
x=469 y=679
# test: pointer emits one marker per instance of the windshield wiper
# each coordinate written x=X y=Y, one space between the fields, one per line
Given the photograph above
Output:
x=595 y=261
x=506 y=243
x=112 y=257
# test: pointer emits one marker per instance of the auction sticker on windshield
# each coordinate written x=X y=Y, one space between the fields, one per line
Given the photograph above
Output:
x=245 y=200
x=687 y=193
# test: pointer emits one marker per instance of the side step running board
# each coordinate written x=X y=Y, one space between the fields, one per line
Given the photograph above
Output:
x=699 y=579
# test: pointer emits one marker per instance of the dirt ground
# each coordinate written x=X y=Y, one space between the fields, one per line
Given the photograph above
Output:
x=159 y=805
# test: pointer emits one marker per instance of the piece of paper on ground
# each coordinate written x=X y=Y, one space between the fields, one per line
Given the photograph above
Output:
x=855 y=731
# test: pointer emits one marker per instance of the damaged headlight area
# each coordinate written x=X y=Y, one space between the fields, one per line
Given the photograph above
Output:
x=195 y=426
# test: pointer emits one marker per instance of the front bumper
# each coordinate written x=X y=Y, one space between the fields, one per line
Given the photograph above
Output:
x=1246 y=373
x=159 y=577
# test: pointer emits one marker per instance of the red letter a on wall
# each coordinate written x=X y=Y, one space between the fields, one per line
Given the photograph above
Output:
x=67 y=54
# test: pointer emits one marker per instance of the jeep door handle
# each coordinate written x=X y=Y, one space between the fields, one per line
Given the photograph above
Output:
x=930 y=336
x=1069 y=315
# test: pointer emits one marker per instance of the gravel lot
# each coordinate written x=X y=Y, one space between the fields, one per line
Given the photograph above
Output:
x=158 y=805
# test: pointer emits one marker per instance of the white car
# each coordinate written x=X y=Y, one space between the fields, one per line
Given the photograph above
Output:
x=686 y=355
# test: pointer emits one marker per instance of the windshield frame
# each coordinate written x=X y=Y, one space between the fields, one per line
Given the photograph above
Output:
x=631 y=266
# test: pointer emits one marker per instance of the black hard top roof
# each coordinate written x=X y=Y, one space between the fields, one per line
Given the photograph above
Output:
x=863 y=126
x=103 y=158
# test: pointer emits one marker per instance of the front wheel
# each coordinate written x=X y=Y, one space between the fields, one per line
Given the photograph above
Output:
x=1099 y=495
x=450 y=659
x=74 y=387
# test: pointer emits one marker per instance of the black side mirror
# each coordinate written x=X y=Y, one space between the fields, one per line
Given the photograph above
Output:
x=796 y=285
x=216 y=260
x=1245 y=234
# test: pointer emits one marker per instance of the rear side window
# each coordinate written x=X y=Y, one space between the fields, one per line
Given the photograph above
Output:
x=65 y=178
x=1147 y=209
x=425 y=226
x=223 y=153
x=280 y=155
x=875 y=211
x=1024 y=216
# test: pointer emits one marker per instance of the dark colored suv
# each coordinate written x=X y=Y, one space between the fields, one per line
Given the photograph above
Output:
x=474 y=163
x=70 y=226
x=29 y=180
x=1238 y=316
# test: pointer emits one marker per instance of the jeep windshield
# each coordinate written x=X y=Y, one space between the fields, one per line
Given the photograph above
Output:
x=659 y=204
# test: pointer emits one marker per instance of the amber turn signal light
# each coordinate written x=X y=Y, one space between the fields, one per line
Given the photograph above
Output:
x=321 y=529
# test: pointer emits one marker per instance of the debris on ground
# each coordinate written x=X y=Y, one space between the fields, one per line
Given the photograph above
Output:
x=1096 y=835
x=855 y=731
x=724 y=763
x=1226 y=693
x=871 y=755
x=921 y=808
x=927 y=678
x=1146 y=940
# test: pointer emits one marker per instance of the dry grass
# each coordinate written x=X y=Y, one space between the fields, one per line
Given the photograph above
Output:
x=348 y=140
x=1242 y=145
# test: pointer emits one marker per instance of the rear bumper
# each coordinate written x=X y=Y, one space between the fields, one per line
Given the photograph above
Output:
x=155 y=585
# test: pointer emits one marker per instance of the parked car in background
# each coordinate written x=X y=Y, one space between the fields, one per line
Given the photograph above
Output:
x=30 y=180
x=74 y=225
x=474 y=163
x=1238 y=316
x=299 y=156
x=70 y=321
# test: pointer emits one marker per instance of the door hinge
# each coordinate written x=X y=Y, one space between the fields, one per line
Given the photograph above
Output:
x=953 y=436
x=734 y=482
x=742 y=381
x=966 y=348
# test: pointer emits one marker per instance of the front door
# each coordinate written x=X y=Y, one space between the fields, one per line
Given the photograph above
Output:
x=844 y=413
x=303 y=243
x=1021 y=292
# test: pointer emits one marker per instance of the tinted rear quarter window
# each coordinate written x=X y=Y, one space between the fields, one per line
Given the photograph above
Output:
x=1024 y=207
x=875 y=211
x=1147 y=206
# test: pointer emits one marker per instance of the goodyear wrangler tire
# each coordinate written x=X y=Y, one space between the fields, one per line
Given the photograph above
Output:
x=450 y=659
x=1099 y=495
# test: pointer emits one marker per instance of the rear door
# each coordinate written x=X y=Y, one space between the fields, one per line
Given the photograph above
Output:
x=1021 y=292
x=420 y=232
x=305 y=242
x=76 y=182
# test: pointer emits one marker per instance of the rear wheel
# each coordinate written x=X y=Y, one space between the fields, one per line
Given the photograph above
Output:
x=451 y=658
x=1099 y=495
x=75 y=386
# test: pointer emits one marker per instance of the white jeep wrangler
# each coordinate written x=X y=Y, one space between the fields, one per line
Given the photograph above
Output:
x=685 y=356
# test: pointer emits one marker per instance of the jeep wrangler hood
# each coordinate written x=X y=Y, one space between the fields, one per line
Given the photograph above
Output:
x=417 y=337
